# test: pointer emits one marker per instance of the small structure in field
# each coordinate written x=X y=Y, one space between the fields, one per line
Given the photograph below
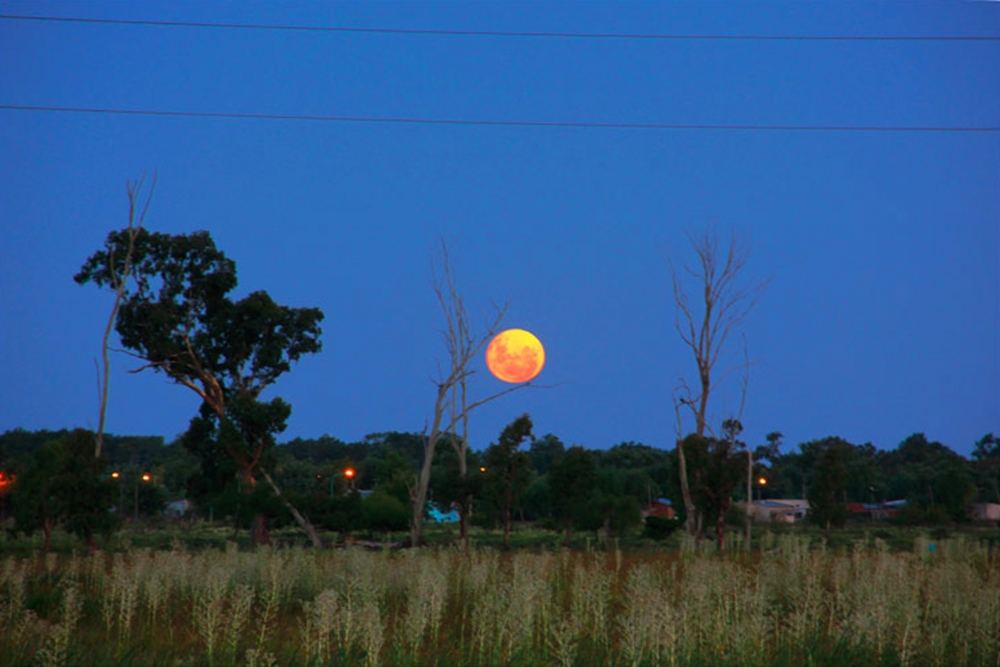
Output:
x=989 y=512
x=876 y=511
x=661 y=507
x=791 y=510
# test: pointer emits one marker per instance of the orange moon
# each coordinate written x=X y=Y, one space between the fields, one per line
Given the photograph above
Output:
x=515 y=355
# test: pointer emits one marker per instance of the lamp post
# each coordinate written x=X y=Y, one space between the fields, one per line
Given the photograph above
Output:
x=146 y=477
x=117 y=476
x=349 y=474
x=761 y=483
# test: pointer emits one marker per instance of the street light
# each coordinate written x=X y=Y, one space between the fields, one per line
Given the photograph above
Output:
x=761 y=483
x=121 y=491
x=145 y=478
x=349 y=474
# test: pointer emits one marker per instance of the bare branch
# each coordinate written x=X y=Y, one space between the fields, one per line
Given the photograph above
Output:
x=120 y=284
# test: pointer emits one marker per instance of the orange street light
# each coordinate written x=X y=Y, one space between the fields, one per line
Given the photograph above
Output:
x=482 y=469
x=146 y=477
x=762 y=481
x=349 y=473
x=115 y=475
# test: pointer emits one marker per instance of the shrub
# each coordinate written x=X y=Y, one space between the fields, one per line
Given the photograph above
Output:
x=660 y=527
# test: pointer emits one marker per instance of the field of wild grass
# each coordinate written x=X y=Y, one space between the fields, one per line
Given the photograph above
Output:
x=785 y=604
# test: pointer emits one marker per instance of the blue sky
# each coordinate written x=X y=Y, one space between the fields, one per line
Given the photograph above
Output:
x=882 y=317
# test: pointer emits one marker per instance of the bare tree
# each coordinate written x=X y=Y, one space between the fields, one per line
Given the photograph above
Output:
x=119 y=284
x=705 y=324
x=451 y=406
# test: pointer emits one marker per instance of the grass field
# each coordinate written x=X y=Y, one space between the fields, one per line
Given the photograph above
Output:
x=790 y=601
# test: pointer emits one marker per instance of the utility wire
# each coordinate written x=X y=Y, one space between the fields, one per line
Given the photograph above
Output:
x=506 y=33
x=502 y=123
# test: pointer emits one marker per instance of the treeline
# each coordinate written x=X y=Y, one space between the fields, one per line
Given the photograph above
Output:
x=516 y=479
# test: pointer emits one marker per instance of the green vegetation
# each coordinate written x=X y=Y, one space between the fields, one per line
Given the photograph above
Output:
x=784 y=604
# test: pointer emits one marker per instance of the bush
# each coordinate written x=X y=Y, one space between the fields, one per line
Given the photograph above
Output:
x=659 y=527
x=385 y=513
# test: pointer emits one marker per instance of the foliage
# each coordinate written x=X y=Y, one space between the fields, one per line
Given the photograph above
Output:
x=716 y=466
x=67 y=485
x=928 y=473
x=508 y=472
x=544 y=452
x=827 y=495
x=175 y=314
x=660 y=527
x=384 y=512
x=573 y=481
x=986 y=455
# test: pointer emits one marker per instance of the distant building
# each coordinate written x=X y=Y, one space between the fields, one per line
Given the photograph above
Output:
x=876 y=511
x=985 y=511
x=661 y=507
x=778 y=511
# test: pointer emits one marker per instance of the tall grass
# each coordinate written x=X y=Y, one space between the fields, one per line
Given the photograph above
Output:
x=788 y=604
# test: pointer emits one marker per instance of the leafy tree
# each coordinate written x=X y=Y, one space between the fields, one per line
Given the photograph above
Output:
x=986 y=455
x=36 y=507
x=827 y=495
x=544 y=452
x=573 y=481
x=930 y=475
x=771 y=452
x=66 y=485
x=508 y=471
x=643 y=472
x=717 y=467
x=85 y=490
x=176 y=316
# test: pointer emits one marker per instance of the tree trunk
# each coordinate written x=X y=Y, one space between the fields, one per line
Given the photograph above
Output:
x=258 y=530
x=749 y=495
x=690 y=512
x=506 y=529
x=720 y=526
x=419 y=494
x=47 y=529
x=303 y=522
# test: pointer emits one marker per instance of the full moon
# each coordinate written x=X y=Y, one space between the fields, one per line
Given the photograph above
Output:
x=515 y=355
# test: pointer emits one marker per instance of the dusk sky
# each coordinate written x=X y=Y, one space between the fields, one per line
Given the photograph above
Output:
x=863 y=175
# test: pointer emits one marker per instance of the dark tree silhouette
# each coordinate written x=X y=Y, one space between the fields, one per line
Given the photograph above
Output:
x=176 y=317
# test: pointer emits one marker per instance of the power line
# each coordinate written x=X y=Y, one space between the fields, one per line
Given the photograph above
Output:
x=507 y=33
x=502 y=123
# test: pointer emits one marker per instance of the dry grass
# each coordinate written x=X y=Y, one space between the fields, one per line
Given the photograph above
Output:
x=786 y=605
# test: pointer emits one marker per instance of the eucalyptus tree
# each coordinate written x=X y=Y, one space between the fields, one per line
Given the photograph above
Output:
x=573 y=481
x=508 y=471
x=705 y=323
x=986 y=455
x=176 y=316
x=828 y=493
x=452 y=404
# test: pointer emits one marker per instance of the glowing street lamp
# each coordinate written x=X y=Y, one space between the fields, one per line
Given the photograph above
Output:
x=349 y=474
x=761 y=483
x=145 y=478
